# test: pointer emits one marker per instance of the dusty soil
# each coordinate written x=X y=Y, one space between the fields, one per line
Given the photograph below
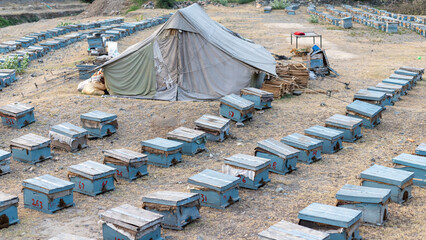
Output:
x=106 y=7
x=363 y=56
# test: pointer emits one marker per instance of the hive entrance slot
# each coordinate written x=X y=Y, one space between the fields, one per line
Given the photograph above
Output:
x=109 y=133
x=405 y=196
x=4 y=221
x=385 y=215
x=337 y=146
x=62 y=203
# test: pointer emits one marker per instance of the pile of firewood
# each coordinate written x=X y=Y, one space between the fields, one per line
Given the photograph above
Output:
x=290 y=77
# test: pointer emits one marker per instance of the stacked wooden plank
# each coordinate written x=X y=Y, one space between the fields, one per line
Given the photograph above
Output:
x=290 y=77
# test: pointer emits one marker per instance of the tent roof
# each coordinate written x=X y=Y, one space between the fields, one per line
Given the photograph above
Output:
x=194 y=19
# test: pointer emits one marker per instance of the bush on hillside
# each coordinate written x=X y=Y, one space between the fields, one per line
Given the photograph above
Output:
x=87 y=1
x=164 y=3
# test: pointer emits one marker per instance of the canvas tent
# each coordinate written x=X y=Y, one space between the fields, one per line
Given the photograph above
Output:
x=191 y=57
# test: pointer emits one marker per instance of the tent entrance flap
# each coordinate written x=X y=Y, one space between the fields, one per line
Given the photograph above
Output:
x=133 y=75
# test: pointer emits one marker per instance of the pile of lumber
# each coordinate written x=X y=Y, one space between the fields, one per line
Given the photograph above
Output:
x=289 y=78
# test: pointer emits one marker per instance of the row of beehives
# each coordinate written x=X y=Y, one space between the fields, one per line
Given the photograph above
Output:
x=216 y=128
x=290 y=10
x=398 y=16
x=381 y=22
x=367 y=203
x=112 y=30
x=345 y=22
x=33 y=38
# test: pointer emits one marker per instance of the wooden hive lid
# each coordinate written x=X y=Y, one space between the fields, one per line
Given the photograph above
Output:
x=387 y=175
x=344 y=121
x=69 y=130
x=289 y=231
x=247 y=162
x=162 y=144
x=364 y=108
x=385 y=90
x=407 y=73
x=214 y=180
x=324 y=132
x=301 y=141
x=126 y=155
x=98 y=116
x=66 y=236
x=389 y=86
x=132 y=218
x=4 y=155
x=186 y=134
x=256 y=92
x=52 y=42
x=237 y=102
x=10 y=71
x=396 y=81
x=213 y=122
x=413 y=69
x=16 y=109
x=331 y=215
x=410 y=160
x=30 y=142
x=47 y=184
x=92 y=170
x=421 y=147
x=402 y=77
x=363 y=194
x=7 y=199
x=278 y=148
x=369 y=95
x=171 y=198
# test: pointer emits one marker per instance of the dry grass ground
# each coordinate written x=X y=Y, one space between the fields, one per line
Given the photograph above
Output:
x=362 y=56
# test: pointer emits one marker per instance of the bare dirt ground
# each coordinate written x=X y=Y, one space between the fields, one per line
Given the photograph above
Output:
x=363 y=56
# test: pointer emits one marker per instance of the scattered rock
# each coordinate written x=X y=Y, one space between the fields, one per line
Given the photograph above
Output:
x=350 y=147
x=322 y=104
x=373 y=160
x=239 y=124
x=279 y=190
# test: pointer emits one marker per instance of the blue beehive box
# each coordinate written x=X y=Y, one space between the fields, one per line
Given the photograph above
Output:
x=350 y=126
x=283 y=157
x=47 y=194
x=8 y=210
x=373 y=97
x=95 y=41
x=52 y=45
x=216 y=128
x=4 y=48
x=217 y=190
x=417 y=76
x=129 y=164
x=391 y=27
x=421 y=149
x=391 y=96
x=267 y=9
x=236 y=108
x=4 y=162
x=331 y=138
x=396 y=88
x=99 y=124
x=92 y=178
x=127 y=222
x=347 y=22
x=162 y=152
x=30 y=148
x=412 y=163
x=253 y=171
x=17 y=115
x=373 y=202
x=178 y=208
x=285 y=231
x=66 y=236
x=369 y=113
x=340 y=223
x=24 y=42
x=413 y=69
x=410 y=79
x=194 y=141
x=262 y=99
x=398 y=181
x=405 y=84
x=68 y=137
x=310 y=148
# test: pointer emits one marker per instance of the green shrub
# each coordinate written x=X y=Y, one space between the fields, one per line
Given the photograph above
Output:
x=64 y=24
x=313 y=19
x=280 y=4
x=244 y=1
x=137 y=4
x=4 y=22
x=165 y=3
x=13 y=63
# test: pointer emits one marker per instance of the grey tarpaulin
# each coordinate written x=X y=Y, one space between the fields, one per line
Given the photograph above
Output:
x=191 y=57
